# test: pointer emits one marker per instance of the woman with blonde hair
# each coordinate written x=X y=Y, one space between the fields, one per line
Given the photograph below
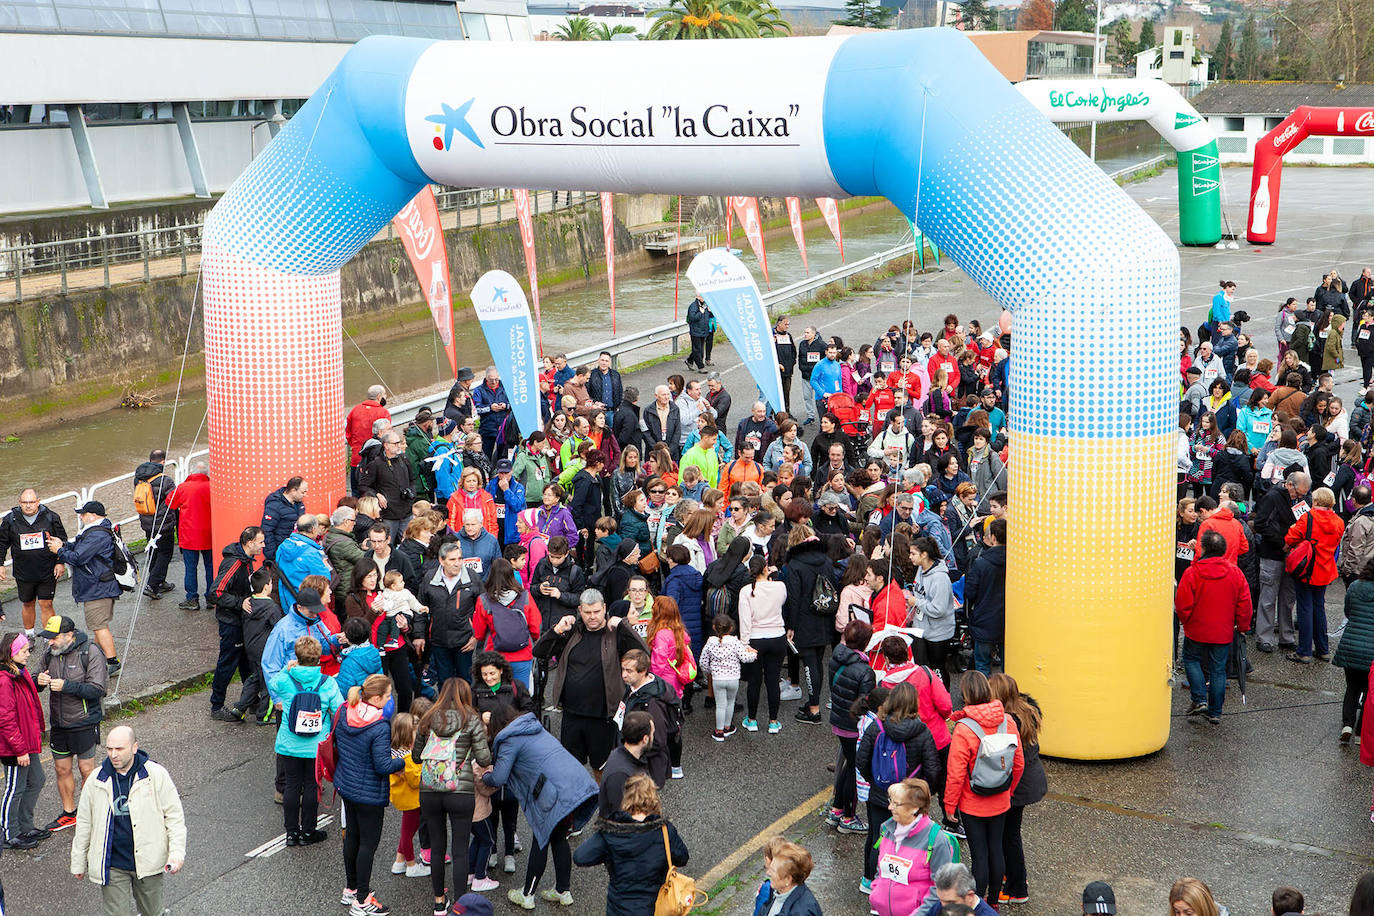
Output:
x=696 y=537
x=634 y=844
x=1190 y=897
x=1032 y=787
x=362 y=742
x=471 y=495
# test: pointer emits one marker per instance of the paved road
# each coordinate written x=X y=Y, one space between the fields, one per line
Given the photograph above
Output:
x=1267 y=797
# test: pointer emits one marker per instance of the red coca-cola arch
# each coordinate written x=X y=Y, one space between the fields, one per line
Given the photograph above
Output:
x=1267 y=173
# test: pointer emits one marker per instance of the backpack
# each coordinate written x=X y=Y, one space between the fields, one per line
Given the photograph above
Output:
x=995 y=761
x=123 y=566
x=679 y=893
x=145 y=496
x=889 y=761
x=717 y=601
x=510 y=628
x=1302 y=559
x=825 y=601
x=440 y=768
x=327 y=755
x=305 y=717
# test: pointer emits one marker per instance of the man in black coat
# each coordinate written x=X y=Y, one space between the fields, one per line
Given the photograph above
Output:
x=1273 y=516
x=159 y=526
x=280 y=512
x=647 y=692
x=625 y=427
x=663 y=423
x=636 y=737
x=230 y=593
x=585 y=504
x=605 y=387
x=449 y=593
x=388 y=479
x=786 y=349
x=557 y=584
x=985 y=595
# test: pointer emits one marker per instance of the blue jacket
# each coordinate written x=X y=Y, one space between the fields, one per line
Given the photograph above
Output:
x=358 y=662
x=548 y=781
x=281 y=643
x=90 y=557
x=300 y=679
x=489 y=421
x=800 y=902
x=484 y=546
x=683 y=585
x=825 y=379
x=297 y=557
x=364 y=761
x=447 y=463
x=607 y=388
x=279 y=517
x=698 y=318
x=934 y=526
x=1221 y=308
x=510 y=506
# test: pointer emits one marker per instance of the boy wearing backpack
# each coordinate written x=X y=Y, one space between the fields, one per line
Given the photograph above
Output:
x=309 y=699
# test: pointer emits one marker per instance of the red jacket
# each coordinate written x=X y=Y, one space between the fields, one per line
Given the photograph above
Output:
x=888 y=609
x=1226 y=525
x=1327 y=529
x=1212 y=601
x=484 y=631
x=21 y=715
x=877 y=406
x=192 y=501
x=358 y=427
x=963 y=748
x=936 y=706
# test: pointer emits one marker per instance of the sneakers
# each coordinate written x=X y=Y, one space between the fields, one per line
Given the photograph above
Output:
x=1004 y=897
x=774 y=727
x=1346 y=733
x=1197 y=709
x=482 y=885
x=418 y=870
x=562 y=898
x=677 y=774
x=718 y=735
x=226 y=714
x=852 y=824
x=954 y=829
x=832 y=817
x=519 y=847
x=369 y=907
x=278 y=798
x=508 y=866
x=62 y=822
x=348 y=898
x=397 y=868
x=1263 y=646
x=865 y=886
x=271 y=717
x=807 y=716
x=190 y=604
x=731 y=730
x=750 y=725
x=1214 y=720
x=113 y=666
x=22 y=841
x=791 y=691
x=517 y=896
x=1300 y=659
x=441 y=907
x=38 y=833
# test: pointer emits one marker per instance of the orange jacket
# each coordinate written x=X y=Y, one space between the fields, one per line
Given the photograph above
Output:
x=963 y=748
x=1226 y=525
x=1327 y=529
x=462 y=499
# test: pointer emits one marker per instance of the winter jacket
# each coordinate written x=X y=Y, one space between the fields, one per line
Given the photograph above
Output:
x=928 y=848
x=479 y=552
x=389 y=477
x=506 y=693
x=548 y=781
x=279 y=517
x=490 y=421
x=445 y=463
x=469 y=747
x=1254 y=422
x=663 y=661
x=508 y=506
x=362 y=743
x=985 y=595
x=90 y=558
x=934 y=608
x=655 y=431
x=281 y=643
x=936 y=705
x=850 y=678
x=1285 y=402
x=191 y=502
x=155 y=813
x=1231 y=466
x=963 y=749
x=24 y=541
x=657 y=698
x=232 y=584
x=1272 y=518
x=358 y=426
x=484 y=629
x=1327 y=529
x=606 y=387
x=83 y=670
x=1034 y=783
x=698 y=318
x=343 y=553
x=21 y=715
x=297 y=557
x=684 y=585
x=922 y=756
x=262 y=615
x=449 y=621
x=634 y=526
x=556 y=521
x=164 y=519
x=570 y=582
x=810 y=353
x=806 y=563
x=1230 y=529
x=636 y=860
x=614 y=644
x=1213 y=601
x=1356 y=648
x=1357 y=544
x=304 y=679
x=800 y=901
x=357 y=662
x=585 y=503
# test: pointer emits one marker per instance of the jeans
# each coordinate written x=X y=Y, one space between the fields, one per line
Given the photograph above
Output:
x=447 y=663
x=982 y=656
x=1274 y=622
x=301 y=800
x=725 y=693
x=1205 y=664
x=521 y=671
x=845 y=798
x=1352 y=704
x=1311 y=614
x=765 y=672
x=22 y=785
x=985 y=851
x=1016 y=884
x=448 y=814
x=232 y=658
x=361 y=836
x=125 y=888
x=189 y=559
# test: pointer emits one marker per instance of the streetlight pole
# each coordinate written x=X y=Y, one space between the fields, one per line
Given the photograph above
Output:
x=1097 y=35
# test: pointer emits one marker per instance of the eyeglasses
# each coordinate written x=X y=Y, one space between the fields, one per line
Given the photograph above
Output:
x=656 y=491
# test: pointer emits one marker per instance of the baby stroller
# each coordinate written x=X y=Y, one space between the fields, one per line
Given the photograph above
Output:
x=853 y=423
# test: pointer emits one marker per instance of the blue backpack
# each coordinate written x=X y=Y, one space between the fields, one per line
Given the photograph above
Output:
x=306 y=715
x=889 y=761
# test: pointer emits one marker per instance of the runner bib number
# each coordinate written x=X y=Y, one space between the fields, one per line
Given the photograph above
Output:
x=32 y=541
x=500 y=510
x=813 y=357
x=1300 y=509
x=895 y=868
x=1329 y=479
x=1260 y=427
x=1209 y=373
x=1184 y=551
x=1364 y=333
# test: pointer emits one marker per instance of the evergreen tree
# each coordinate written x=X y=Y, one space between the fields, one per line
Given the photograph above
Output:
x=978 y=15
x=1221 y=54
x=1074 y=16
x=1248 y=57
x=869 y=14
x=1147 y=36
x=1123 y=45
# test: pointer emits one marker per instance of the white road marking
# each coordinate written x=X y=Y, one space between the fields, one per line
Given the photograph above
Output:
x=278 y=843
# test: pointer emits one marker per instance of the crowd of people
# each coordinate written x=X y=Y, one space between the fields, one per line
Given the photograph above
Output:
x=494 y=626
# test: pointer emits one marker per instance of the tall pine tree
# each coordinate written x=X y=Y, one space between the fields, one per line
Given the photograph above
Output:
x=866 y=14
x=1074 y=16
x=1248 y=57
x=978 y=15
x=1221 y=55
x=1147 y=38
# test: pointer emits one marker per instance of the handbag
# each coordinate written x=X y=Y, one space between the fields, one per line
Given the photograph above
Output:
x=648 y=565
x=679 y=893
x=1302 y=559
x=327 y=755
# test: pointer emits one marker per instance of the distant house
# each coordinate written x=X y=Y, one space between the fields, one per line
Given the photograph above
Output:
x=1032 y=54
x=1176 y=60
x=1243 y=112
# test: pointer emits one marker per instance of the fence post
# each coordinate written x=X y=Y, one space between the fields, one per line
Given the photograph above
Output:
x=105 y=262
x=146 y=244
x=62 y=265
x=182 y=246
x=498 y=206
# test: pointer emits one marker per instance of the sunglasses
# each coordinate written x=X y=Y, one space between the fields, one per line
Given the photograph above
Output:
x=657 y=491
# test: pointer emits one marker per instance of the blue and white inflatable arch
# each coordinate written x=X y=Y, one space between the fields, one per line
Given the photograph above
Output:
x=1093 y=283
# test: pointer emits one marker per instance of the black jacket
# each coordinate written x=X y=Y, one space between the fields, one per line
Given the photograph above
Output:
x=850 y=678
x=1272 y=518
x=568 y=579
x=665 y=709
x=389 y=477
x=655 y=433
x=620 y=766
x=402 y=563
x=605 y=388
x=232 y=585
x=165 y=520
x=613 y=646
x=257 y=626
x=26 y=544
x=1232 y=466
x=635 y=859
x=585 y=504
x=507 y=693
x=820 y=448
x=698 y=318
x=449 y=621
x=805 y=564
x=809 y=353
x=720 y=403
x=1319 y=460
x=625 y=428
x=985 y=595
x=787 y=351
x=1034 y=783
x=921 y=757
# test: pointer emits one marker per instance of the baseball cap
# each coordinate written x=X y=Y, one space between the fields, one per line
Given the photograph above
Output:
x=57 y=625
x=1099 y=898
x=473 y=905
x=310 y=598
x=503 y=466
x=92 y=507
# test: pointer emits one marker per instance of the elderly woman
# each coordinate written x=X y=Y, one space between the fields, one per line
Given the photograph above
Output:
x=470 y=495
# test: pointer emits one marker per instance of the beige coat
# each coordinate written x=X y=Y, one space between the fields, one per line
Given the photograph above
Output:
x=154 y=809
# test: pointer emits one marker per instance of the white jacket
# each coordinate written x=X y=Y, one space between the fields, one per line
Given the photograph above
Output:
x=154 y=809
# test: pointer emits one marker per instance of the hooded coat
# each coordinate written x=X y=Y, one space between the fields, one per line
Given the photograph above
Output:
x=362 y=742
x=1327 y=529
x=304 y=679
x=636 y=860
x=806 y=563
x=84 y=672
x=21 y=714
x=279 y=517
x=684 y=585
x=985 y=595
x=922 y=757
x=1213 y=601
x=850 y=678
x=547 y=780
x=963 y=749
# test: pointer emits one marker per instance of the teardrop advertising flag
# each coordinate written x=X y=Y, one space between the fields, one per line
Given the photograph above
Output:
x=608 y=236
x=504 y=314
x=748 y=210
x=522 y=214
x=831 y=211
x=794 y=217
x=722 y=280
x=422 y=236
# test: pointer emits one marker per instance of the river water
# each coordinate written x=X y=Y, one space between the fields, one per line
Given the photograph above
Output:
x=71 y=455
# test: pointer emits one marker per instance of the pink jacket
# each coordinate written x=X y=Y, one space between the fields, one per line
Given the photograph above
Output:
x=936 y=705
x=663 y=654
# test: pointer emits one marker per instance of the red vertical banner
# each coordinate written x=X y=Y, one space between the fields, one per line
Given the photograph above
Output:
x=794 y=217
x=522 y=213
x=422 y=236
x=831 y=211
x=748 y=208
x=608 y=235
x=729 y=220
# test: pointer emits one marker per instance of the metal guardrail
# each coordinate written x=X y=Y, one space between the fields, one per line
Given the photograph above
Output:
x=1140 y=166
x=118 y=491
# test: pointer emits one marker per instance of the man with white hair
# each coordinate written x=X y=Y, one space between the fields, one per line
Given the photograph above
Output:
x=342 y=550
x=359 y=426
x=480 y=547
x=954 y=884
x=130 y=829
x=191 y=503
x=663 y=422
x=493 y=410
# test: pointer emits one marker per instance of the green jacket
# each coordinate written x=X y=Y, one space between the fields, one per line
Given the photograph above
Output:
x=471 y=746
x=1356 y=648
x=535 y=472
x=417 y=450
x=343 y=553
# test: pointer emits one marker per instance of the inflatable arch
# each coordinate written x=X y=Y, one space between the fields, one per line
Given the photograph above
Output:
x=1169 y=113
x=1267 y=172
x=920 y=117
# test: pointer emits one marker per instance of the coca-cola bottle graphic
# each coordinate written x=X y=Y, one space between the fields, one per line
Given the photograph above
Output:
x=1260 y=224
x=1340 y=123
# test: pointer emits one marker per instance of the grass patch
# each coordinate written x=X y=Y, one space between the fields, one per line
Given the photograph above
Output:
x=126 y=708
x=714 y=904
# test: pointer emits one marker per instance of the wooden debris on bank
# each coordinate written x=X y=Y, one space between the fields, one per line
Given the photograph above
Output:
x=135 y=401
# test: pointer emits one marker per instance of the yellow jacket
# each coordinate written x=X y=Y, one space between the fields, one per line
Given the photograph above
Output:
x=405 y=786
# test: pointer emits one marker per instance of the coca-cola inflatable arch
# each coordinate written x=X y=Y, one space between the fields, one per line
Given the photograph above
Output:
x=1267 y=173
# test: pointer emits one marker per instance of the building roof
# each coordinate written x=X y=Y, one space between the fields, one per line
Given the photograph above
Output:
x=1276 y=98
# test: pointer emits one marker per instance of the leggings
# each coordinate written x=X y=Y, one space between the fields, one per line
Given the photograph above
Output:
x=845 y=799
x=675 y=748
x=397 y=665
x=444 y=810
x=506 y=806
x=936 y=656
x=483 y=842
x=360 y=844
x=985 y=849
x=410 y=823
x=877 y=816
x=1014 y=853
x=562 y=860
x=1352 y=705
x=765 y=672
x=813 y=658
x=725 y=693
x=300 y=801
